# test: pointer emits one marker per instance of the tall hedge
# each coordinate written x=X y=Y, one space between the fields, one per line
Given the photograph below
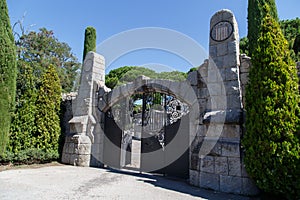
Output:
x=48 y=108
x=7 y=74
x=255 y=16
x=271 y=142
x=23 y=122
x=89 y=41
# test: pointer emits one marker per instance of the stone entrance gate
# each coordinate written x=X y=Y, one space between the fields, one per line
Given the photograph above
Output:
x=214 y=93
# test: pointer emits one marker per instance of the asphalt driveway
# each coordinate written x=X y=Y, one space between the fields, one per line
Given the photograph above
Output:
x=68 y=182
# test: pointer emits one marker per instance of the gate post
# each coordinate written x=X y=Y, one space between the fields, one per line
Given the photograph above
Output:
x=84 y=126
x=219 y=164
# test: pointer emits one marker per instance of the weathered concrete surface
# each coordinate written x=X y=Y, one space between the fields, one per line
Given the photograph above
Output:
x=68 y=182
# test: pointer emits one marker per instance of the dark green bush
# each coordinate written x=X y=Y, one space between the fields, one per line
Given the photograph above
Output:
x=29 y=156
x=271 y=142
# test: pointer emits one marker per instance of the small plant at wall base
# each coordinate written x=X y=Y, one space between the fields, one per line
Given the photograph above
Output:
x=271 y=142
x=7 y=75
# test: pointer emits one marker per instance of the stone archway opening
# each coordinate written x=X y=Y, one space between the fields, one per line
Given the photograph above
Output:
x=148 y=130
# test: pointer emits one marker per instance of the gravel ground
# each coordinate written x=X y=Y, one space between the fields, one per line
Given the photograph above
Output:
x=68 y=182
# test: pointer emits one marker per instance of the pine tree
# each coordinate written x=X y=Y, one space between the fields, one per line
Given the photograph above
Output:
x=89 y=41
x=48 y=108
x=23 y=123
x=7 y=74
x=271 y=142
x=255 y=16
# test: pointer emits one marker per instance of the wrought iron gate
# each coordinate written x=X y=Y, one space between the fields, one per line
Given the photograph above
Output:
x=165 y=135
x=161 y=122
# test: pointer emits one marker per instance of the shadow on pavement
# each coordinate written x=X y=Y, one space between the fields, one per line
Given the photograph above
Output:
x=179 y=185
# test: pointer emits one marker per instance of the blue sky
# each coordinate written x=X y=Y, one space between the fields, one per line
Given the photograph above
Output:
x=68 y=19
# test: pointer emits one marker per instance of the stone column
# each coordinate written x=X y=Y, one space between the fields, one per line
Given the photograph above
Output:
x=85 y=124
x=220 y=161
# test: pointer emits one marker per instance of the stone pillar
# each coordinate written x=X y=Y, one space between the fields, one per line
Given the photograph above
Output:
x=220 y=157
x=84 y=126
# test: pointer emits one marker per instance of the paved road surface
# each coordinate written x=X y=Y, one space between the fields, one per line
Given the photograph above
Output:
x=68 y=182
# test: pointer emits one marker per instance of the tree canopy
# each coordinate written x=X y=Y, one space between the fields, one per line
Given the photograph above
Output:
x=291 y=31
x=40 y=49
x=127 y=74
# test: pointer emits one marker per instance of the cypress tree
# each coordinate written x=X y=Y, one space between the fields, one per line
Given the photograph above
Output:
x=89 y=41
x=255 y=16
x=7 y=74
x=48 y=108
x=271 y=142
x=23 y=123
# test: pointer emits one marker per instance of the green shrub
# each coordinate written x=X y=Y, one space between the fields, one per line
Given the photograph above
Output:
x=271 y=142
x=29 y=156
x=48 y=109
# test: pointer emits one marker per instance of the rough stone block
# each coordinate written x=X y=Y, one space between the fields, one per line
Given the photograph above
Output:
x=231 y=132
x=217 y=102
x=231 y=149
x=203 y=70
x=216 y=63
x=215 y=89
x=213 y=51
x=244 y=78
x=221 y=165
x=194 y=162
x=194 y=178
x=216 y=150
x=65 y=158
x=207 y=164
x=230 y=184
x=232 y=88
x=234 y=166
x=193 y=78
x=71 y=148
x=231 y=74
x=233 y=47
x=83 y=160
x=234 y=101
x=231 y=60
x=210 y=181
x=214 y=130
x=222 y=49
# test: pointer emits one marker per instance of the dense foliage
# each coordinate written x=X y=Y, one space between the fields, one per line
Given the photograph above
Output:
x=47 y=113
x=35 y=126
x=7 y=74
x=41 y=49
x=23 y=122
x=89 y=41
x=255 y=16
x=271 y=142
x=291 y=31
x=127 y=74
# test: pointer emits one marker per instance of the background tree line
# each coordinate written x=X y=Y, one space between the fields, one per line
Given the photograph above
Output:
x=291 y=31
